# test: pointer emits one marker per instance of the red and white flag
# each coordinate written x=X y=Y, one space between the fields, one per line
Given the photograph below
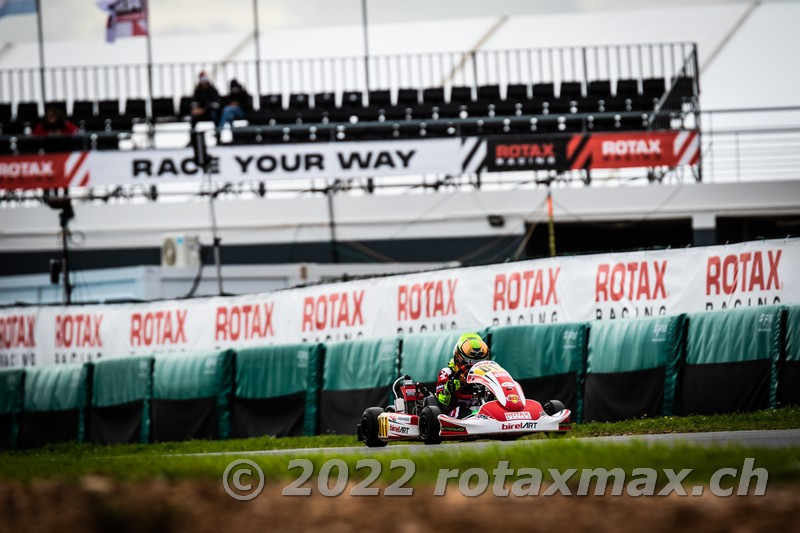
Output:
x=126 y=18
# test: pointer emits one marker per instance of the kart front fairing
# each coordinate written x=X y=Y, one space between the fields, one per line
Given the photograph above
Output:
x=508 y=413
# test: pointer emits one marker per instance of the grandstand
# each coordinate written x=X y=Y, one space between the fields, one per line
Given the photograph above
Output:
x=498 y=119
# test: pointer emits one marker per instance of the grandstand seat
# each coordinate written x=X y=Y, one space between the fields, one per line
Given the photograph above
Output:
x=299 y=101
x=325 y=101
x=543 y=91
x=108 y=109
x=598 y=93
x=628 y=88
x=460 y=94
x=163 y=108
x=135 y=108
x=407 y=97
x=82 y=109
x=271 y=102
x=626 y=95
x=433 y=96
x=652 y=90
x=381 y=98
x=488 y=93
x=572 y=90
x=352 y=99
x=517 y=93
x=599 y=89
x=27 y=112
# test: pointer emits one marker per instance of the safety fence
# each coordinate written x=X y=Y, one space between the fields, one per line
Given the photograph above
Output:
x=472 y=68
x=699 y=363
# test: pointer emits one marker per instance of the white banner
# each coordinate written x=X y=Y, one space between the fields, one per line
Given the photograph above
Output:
x=563 y=289
x=287 y=161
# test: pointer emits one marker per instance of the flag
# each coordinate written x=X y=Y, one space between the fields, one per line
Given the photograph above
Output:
x=126 y=18
x=17 y=7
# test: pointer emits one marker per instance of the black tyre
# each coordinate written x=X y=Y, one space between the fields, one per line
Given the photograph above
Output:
x=552 y=407
x=368 y=430
x=429 y=425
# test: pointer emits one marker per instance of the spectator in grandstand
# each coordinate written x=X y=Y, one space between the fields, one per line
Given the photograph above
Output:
x=237 y=104
x=205 y=100
x=54 y=123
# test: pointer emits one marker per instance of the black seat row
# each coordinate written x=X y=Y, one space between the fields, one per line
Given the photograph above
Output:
x=517 y=125
x=569 y=97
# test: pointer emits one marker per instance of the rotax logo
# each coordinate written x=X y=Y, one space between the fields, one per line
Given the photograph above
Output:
x=244 y=322
x=17 y=340
x=526 y=297
x=165 y=327
x=743 y=279
x=326 y=316
x=427 y=306
x=632 y=289
x=78 y=337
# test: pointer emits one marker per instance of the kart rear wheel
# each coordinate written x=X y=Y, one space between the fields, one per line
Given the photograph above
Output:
x=429 y=425
x=552 y=407
x=369 y=428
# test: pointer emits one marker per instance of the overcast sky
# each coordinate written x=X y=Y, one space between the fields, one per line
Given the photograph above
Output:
x=82 y=20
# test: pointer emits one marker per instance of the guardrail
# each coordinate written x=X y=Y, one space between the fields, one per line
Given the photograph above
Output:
x=313 y=75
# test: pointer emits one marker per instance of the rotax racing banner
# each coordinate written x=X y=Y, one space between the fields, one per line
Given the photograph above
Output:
x=563 y=289
x=242 y=163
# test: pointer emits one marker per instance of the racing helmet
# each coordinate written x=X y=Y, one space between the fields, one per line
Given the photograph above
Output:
x=469 y=349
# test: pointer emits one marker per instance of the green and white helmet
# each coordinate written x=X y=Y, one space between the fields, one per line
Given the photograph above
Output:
x=469 y=350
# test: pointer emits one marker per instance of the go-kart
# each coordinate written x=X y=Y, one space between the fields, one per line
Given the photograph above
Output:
x=499 y=411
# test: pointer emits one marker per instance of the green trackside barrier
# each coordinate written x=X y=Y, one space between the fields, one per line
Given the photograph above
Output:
x=732 y=360
x=55 y=401
x=198 y=381
x=789 y=385
x=548 y=361
x=423 y=355
x=119 y=384
x=12 y=383
x=632 y=367
x=357 y=374
x=276 y=390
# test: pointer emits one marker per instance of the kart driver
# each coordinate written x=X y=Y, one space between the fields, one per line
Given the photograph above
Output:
x=452 y=393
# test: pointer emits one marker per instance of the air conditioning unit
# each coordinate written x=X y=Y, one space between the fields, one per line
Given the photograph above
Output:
x=180 y=251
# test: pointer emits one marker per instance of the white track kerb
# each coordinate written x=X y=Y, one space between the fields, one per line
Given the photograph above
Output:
x=333 y=476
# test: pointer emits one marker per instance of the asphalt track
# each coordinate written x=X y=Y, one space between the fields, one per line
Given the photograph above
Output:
x=781 y=438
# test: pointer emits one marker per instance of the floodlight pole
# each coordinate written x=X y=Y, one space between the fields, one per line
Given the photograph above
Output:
x=364 y=23
x=41 y=51
x=257 y=40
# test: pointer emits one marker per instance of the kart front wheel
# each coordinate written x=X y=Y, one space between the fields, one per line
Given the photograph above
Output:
x=552 y=407
x=429 y=425
x=368 y=429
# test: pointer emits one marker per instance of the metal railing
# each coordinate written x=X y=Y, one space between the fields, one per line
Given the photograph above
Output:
x=315 y=75
x=759 y=144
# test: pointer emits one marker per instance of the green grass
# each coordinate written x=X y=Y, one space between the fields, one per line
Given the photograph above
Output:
x=785 y=418
x=71 y=461
x=783 y=465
